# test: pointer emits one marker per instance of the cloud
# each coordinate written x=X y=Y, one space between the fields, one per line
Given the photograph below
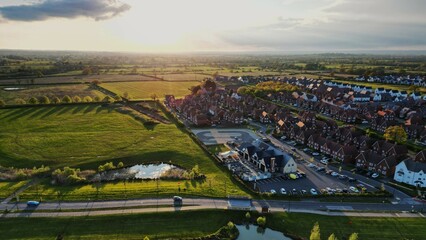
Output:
x=345 y=25
x=96 y=9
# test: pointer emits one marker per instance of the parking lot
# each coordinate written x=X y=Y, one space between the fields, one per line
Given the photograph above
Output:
x=213 y=136
x=318 y=177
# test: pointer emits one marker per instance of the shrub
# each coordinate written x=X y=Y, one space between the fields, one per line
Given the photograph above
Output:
x=67 y=99
x=261 y=221
x=20 y=101
x=87 y=99
x=77 y=99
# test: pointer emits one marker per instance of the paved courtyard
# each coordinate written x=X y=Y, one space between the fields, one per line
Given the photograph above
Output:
x=213 y=136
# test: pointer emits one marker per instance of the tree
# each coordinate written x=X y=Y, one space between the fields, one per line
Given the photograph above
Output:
x=248 y=216
x=118 y=98
x=97 y=99
x=44 y=100
x=261 y=221
x=108 y=99
x=76 y=99
x=87 y=99
x=315 y=232
x=67 y=99
x=332 y=237
x=146 y=238
x=33 y=100
x=2 y=103
x=20 y=101
x=396 y=134
x=56 y=100
x=353 y=236
x=153 y=96
x=120 y=165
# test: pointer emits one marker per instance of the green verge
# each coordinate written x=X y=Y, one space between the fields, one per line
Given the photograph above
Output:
x=380 y=228
x=193 y=224
x=185 y=224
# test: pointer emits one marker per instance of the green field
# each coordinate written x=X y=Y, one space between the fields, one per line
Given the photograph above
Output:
x=86 y=136
x=59 y=91
x=143 y=90
x=191 y=224
x=175 y=225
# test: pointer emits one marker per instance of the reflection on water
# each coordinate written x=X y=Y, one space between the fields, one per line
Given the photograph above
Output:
x=150 y=171
x=252 y=232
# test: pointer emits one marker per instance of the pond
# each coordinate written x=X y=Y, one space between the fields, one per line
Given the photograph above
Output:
x=253 y=232
x=142 y=171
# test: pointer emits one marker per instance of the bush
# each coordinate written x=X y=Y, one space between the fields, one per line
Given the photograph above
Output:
x=2 y=103
x=77 y=99
x=261 y=221
x=120 y=165
x=107 y=166
x=20 y=101
x=56 y=100
x=33 y=100
x=87 y=99
x=44 y=100
x=66 y=99
x=68 y=176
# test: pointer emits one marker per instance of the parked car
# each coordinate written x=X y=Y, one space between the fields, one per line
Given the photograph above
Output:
x=283 y=191
x=323 y=161
x=334 y=174
x=352 y=179
x=294 y=191
x=353 y=189
x=311 y=165
x=315 y=154
x=342 y=177
x=329 y=172
x=375 y=175
x=306 y=149
x=320 y=169
x=33 y=203
x=273 y=191
x=314 y=192
x=303 y=192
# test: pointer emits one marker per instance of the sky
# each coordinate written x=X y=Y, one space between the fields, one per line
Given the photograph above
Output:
x=213 y=25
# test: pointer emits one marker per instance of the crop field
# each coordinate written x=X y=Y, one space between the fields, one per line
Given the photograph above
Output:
x=143 y=90
x=77 y=79
x=50 y=91
x=183 y=77
x=86 y=136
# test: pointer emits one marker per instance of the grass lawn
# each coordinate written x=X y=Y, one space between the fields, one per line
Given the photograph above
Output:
x=59 y=91
x=217 y=148
x=7 y=188
x=176 y=225
x=86 y=136
x=367 y=228
x=143 y=90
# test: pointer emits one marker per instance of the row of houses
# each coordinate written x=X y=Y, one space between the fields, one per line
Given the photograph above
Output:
x=391 y=79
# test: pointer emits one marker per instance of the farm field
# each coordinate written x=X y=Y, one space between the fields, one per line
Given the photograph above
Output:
x=86 y=136
x=50 y=91
x=143 y=90
x=58 y=79
x=183 y=77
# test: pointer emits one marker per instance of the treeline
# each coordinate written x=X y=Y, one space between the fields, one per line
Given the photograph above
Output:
x=265 y=88
x=64 y=99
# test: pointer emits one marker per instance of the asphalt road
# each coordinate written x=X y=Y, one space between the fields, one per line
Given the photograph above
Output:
x=55 y=209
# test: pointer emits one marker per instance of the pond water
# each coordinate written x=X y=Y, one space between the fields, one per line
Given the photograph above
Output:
x=251 y=232
x=12 y=89
x=142 y=171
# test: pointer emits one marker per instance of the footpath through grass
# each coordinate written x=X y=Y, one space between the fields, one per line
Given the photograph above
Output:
x=7 y=188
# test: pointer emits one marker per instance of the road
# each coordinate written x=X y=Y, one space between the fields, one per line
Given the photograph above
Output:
x=56 y=209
